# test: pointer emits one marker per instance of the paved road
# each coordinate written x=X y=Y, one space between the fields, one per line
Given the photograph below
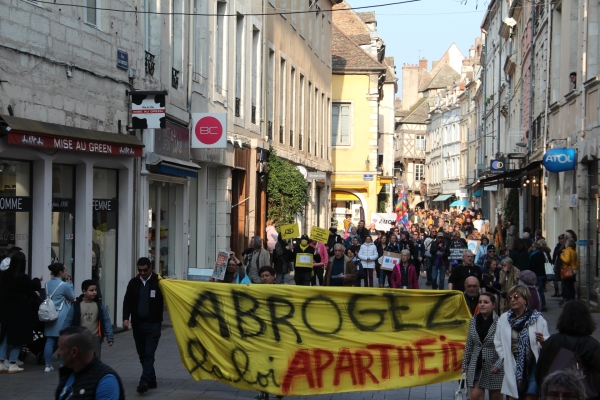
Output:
x=174 y=382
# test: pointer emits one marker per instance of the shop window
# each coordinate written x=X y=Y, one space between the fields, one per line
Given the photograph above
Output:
x=105 y=213
x=63 y=216
x=15 y=205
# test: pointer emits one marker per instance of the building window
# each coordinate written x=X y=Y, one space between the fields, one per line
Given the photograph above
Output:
x=152 y=27
x=292 y=122
x=91 y=12
x=340 y=124
x=310 y=116
x=220 y=63
x=316 y=114
x=239 y=64
x=302 y=113
x=271 y=94
x=420 y=142
x=63 y=216
x=256 y=76
x=17 y=203
x=199 y=73
x=419 y=172
x=282 y=99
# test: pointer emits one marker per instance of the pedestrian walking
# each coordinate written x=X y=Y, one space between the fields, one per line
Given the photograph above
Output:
x=518 y=340
x=509 y=277
x=144 y=303
x=557 y=263
x=17 y=315
x=84 y=376
x=462 y=271
x=439 y=253
x=60 y=289
x=569 y=270
x=89 y=311
x=480 y=352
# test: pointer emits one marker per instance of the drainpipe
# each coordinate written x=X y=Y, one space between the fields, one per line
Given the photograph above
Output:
x=499 y=87
x=583 y=20
x=191 y=58
x=548 y=95
x=531 y=74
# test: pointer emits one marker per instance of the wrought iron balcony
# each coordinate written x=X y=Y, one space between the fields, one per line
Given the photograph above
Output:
x=253 y=115
x=270 y=130
x=238 y=106
x=149 y=62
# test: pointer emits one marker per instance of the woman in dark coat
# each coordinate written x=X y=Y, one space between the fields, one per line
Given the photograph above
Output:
x=281 y=258
x=480 y=351
x=575 y=327
x=17 y=310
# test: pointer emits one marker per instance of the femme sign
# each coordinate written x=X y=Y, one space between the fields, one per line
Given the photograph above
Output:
x=559 y=160
x=209 y=131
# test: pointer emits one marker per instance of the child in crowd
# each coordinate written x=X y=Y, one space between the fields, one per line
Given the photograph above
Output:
x=89 y=311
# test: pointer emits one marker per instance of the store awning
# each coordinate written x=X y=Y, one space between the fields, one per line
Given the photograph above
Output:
x=443 y=197
x=344 y=196
x=383 y=180
x=171 y=166
x=28 y=132
x=508 y=175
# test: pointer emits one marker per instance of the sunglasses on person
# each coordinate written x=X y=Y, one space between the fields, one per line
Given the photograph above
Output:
x=143 y=270
x=514 y=297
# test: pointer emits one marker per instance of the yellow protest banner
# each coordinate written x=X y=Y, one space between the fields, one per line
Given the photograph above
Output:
x=296 y=340
x=289 y=231
x=319 y=234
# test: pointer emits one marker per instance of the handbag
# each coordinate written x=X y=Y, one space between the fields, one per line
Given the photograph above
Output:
x=568 y=359
x=47 y=312
x=549 y=268
x=461 y=393
x=566 y=273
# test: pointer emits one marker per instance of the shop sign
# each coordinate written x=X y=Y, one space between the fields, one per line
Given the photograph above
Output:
x=148 y=111
x=63 y=205
x=209 y=130
x=173 y=141
x=16 y=203
x=66 y=143
x=559 y=160
x=106 y=205
x=316 y=176
x=497 y=167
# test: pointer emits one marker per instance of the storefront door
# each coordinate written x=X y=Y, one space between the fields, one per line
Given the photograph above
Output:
x=15 y=206
x=63 y=216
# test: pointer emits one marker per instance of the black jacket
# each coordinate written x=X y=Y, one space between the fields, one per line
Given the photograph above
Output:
x=86 y=380
x=332 y=240
x=132 y=300
x=435 y=247
x=586 y=347
x=460 y=273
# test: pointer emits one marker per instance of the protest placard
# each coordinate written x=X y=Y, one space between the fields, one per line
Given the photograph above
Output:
x=220 y=265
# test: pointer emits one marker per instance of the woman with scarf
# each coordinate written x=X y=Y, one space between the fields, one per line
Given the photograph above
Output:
x=518 y=340
x=509 y=277
x=480 y=352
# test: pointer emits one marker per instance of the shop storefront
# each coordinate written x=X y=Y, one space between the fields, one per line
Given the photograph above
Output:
x=166 y=178
x=68 y=197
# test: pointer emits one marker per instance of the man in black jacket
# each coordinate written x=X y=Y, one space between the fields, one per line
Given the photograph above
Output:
x=83 y=375
x=144 y=302
x=461 y=272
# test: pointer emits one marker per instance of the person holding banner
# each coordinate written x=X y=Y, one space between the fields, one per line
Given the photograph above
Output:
x=368 y=254
x=480 y=352
x=405 y=274
x=303 y=255
x=341 y=270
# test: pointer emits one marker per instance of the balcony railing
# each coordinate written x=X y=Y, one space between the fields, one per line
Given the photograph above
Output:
x=238 y=106
x=174 y=78
x=149 y=63
x=281 y=134
x=270 y=131
x=253 y=116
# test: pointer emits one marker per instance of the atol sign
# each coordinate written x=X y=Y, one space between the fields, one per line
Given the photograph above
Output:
x=209 y=131
x=559 y=160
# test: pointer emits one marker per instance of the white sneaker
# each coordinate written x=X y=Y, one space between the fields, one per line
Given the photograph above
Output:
x=3 y=368
x=14 y=368
x=49 y=369
x=7 y=363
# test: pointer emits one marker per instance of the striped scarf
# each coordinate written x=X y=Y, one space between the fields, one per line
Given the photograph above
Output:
x=520 y=325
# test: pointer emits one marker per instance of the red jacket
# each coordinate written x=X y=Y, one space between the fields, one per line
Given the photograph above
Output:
x=413 y=278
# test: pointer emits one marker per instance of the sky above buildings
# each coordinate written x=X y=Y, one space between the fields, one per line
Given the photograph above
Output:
x=425 y=28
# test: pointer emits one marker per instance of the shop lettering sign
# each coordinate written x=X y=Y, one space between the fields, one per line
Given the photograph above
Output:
x=174 y=141
x=16 y=203
x=107 y=205
x=559 y=160
x=63 y=143
x=63 y=205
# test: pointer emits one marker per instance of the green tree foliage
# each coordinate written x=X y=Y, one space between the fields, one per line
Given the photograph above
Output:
x=286 y=190
x=511 y=206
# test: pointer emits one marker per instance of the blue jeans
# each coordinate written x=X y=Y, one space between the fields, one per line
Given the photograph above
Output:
x=383 y=273
x=14 y=351
x=428 y=269
x=541 y=283
x=146 y=336
x=439 y=276
x=49 y=349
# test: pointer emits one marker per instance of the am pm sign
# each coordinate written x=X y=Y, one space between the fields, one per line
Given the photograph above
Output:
x=209 y=131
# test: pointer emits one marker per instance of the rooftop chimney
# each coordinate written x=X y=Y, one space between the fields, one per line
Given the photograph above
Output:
x=423 y=64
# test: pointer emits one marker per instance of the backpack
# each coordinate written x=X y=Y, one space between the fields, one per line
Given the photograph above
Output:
x=360 y=271
x=47 y=312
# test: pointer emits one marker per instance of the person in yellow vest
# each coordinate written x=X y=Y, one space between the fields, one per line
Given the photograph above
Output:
x=303 y=261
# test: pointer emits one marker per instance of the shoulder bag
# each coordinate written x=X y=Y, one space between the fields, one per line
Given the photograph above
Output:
x=549 y=268
x=461 y=393
x=47 y=312
x=568 y=359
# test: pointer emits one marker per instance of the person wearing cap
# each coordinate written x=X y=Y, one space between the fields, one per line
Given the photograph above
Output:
x=490 y=253
x=439 y=261
x=303 y=257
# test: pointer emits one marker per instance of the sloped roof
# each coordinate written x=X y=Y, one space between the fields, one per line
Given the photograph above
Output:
x=367 y=17
x=345 y=53
x=348 y=20
x=418 y=113
x=391 y=73
x=446 y=76
x=361 y=39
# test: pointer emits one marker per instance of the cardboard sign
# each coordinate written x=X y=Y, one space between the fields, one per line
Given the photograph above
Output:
x=304 y=260
x=289 y=231
x=390 y=260
x=473 y=245
x=319 y=234
x=456 y=253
